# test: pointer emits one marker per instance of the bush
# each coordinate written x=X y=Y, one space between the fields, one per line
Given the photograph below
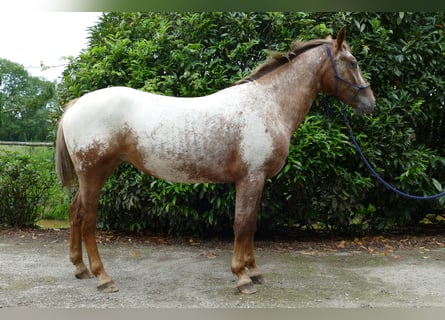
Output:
x=324 y=183
x=134 y=201
x=24 y=189
x=318 y=185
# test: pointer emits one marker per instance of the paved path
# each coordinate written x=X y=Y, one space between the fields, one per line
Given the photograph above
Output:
x=35 y=272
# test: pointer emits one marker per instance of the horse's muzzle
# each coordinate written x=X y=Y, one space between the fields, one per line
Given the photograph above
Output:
x=365 y=105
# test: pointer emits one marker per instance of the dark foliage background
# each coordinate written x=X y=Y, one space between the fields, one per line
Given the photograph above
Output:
x=323 y=184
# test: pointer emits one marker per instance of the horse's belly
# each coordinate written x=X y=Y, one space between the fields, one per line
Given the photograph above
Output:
x=185 y=170
x=188 y=161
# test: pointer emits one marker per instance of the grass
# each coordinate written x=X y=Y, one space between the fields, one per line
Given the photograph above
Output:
x=53 y=224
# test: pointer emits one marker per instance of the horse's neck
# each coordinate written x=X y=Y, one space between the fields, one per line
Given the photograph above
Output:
x=295 y=87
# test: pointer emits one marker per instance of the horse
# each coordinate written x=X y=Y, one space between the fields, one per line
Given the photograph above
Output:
x=240 y=134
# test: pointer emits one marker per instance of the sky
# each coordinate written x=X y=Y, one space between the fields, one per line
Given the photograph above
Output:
x=32 y=38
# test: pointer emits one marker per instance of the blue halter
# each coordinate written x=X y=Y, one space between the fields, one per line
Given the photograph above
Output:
x=338 y=78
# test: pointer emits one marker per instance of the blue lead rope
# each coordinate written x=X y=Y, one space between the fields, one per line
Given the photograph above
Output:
x=372 y=170
x=345 y=117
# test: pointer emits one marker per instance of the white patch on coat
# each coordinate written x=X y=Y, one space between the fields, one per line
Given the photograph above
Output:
x=256 y=142
x=172 y=133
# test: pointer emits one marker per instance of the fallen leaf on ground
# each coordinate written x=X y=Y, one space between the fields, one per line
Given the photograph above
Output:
x=310 y=252
x=209 y=254
x=341 y=245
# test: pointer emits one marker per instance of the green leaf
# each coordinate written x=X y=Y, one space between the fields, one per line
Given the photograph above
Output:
x=437 y=185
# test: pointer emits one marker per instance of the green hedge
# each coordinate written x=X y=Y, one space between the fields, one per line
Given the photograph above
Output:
x=24 y=188
x=323 y=184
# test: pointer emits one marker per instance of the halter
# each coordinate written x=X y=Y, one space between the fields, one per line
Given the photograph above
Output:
x=338 y=78
x=359 y=150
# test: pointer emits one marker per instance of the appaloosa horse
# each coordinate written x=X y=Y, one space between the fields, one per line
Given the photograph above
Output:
x=240 y=134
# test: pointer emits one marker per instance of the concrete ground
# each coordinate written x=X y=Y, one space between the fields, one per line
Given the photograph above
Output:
x=35 y=271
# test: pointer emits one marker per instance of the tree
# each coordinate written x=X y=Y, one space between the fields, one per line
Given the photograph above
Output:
x=323 y=181
x=25 y=104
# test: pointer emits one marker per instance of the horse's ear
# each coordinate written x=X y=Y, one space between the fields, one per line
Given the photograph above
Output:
x=341 y=36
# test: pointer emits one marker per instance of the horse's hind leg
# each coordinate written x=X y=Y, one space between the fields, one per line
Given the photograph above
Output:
x=89 y=187
x=83 y=212
x=76 y=213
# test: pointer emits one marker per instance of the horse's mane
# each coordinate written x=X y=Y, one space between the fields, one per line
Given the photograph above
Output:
x=277 y=59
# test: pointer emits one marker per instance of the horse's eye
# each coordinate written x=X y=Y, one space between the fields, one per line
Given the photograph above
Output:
x=353 y=64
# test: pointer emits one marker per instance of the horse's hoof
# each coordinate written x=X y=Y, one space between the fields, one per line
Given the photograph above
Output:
x=108 y=287
x=258 y=279
x=85 y=274
x=247 y=288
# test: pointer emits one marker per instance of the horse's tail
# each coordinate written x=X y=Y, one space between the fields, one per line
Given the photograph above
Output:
x=64 y=164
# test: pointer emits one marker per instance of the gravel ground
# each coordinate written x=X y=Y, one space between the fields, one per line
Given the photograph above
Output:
x=401 y=271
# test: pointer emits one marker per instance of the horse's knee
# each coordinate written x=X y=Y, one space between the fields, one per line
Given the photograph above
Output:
x=244 y=228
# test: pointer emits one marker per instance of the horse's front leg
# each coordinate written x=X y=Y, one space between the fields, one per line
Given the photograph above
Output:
x=254 y=272
x=248 y=195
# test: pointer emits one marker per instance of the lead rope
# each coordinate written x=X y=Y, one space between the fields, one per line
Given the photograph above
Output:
x=372 y=170
x=357 y=146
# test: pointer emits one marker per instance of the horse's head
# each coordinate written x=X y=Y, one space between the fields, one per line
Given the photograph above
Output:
x=343 y=78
